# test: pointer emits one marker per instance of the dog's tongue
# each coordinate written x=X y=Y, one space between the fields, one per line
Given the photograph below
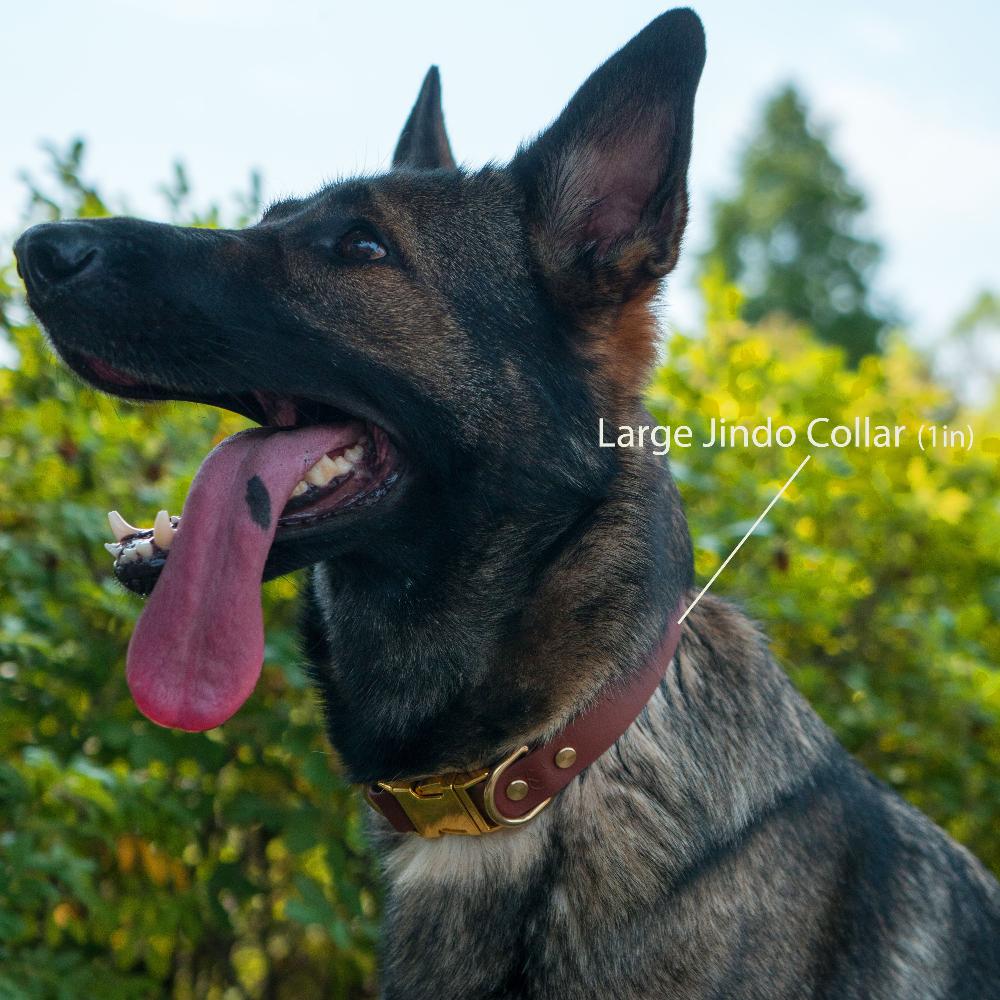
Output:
x=198 y=647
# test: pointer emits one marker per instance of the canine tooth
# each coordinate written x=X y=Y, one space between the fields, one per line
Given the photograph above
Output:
x=119 y=526
x=300 y=488
x=144 y=548
x=115 y=548
x=353 y=454
x=163 y=531
x=322 y=472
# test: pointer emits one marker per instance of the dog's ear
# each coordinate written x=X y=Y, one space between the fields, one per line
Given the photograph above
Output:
x=605 y=184
x=423 y=143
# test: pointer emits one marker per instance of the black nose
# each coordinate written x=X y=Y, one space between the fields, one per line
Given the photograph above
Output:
x=54 y=252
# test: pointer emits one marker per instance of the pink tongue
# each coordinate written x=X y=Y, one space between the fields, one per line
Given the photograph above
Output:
x=198 y=647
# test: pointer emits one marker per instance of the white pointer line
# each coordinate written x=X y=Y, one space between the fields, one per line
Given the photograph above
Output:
x=753 y=528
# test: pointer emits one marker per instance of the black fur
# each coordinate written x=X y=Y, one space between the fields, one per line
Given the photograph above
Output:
x=424 y=142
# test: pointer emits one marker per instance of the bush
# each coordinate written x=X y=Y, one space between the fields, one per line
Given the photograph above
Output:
x=139 y=862
x=878 y=575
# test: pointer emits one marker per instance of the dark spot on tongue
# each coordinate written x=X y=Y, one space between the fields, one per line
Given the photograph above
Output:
x=258 y=502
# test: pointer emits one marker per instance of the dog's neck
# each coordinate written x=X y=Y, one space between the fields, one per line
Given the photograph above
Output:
x=504 y=645
x=724 y=750
x=724 y=742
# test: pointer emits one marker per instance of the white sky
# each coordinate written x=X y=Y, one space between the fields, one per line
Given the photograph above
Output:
x=308 y=90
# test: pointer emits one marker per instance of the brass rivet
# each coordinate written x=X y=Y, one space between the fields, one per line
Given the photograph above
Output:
x=566 y=757
x=517 y=790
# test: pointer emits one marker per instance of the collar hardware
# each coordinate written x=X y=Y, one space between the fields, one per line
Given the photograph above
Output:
x=457 y=803
x=515 y=791
x=438 y=805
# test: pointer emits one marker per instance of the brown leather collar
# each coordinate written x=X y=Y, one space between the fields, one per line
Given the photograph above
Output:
x=519 y=787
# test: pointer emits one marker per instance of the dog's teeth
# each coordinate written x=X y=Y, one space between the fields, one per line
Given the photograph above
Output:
x=120 y=528
x=322 y=472
x=114 y=548
x=163 y=530
x=328 y=468
x=129 y=555
x=144 y=548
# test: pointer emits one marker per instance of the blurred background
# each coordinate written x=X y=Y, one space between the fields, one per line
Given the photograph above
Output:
x=841 y=261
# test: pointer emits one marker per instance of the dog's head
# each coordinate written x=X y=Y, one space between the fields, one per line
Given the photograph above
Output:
x=428 y=351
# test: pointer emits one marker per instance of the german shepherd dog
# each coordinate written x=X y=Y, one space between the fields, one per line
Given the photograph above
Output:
x=428 y=352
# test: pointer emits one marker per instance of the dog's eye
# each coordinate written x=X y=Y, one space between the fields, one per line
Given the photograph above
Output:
x=360 y=244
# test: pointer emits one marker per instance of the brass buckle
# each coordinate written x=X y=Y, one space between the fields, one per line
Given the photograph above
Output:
x=442 y=804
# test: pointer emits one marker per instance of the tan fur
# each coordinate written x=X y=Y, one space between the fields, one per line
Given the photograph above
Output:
x=623 y=350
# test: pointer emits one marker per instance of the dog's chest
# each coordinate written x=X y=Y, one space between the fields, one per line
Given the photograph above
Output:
x=414 y=864
x=461 y=912
x=528 y=913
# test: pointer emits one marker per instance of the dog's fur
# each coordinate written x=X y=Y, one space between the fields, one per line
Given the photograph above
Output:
x=726 y=846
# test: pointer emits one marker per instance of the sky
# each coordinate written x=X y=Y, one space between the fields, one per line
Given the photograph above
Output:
x=309 y=91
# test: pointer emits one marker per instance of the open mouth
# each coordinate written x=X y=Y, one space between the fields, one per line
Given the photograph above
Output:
x=352 y=474
x=198 y=647
x=361 y=467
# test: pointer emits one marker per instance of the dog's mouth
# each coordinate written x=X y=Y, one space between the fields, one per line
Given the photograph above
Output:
x=358 y=469
x=198 y=646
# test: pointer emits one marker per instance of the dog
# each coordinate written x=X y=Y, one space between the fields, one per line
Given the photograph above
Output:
x=574 y=796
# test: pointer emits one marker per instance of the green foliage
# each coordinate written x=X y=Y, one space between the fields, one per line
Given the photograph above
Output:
x=983 y=313
x=970 y=356
x=139 y=862
x=136 y=861
x=877 y=577
x=788 y=236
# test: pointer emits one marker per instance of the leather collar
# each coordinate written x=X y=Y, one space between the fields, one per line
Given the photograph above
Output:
x=518 y=788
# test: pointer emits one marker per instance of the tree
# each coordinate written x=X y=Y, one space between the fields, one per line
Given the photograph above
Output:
x=789 y=235
x=969 y=357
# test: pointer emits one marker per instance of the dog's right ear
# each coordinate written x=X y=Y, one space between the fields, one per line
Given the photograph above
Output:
x=606 y=184
x=423 y=143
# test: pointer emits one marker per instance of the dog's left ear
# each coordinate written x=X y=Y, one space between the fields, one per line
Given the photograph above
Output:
x=605 y=184
x=423 y=143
